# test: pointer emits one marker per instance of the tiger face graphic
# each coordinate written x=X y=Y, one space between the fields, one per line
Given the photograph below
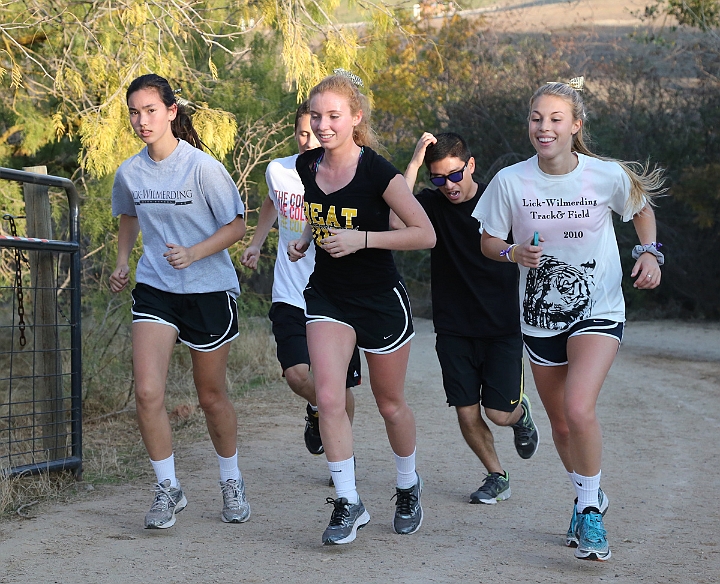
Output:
x=558 y=294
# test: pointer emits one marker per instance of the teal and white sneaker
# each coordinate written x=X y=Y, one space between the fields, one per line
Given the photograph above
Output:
x=168 y=501
x=571 y=539
x=592 y=537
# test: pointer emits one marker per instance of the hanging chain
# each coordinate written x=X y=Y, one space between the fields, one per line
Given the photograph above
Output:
x=19 y=258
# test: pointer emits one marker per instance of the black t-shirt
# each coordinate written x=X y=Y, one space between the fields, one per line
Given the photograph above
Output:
x=358 y=205
x=472 y=296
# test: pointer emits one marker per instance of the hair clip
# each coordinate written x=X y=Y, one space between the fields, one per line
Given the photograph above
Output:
x=347 y=74
x=577 y=83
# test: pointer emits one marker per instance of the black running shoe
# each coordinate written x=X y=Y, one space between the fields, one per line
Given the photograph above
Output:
x=345 y=520
x=408 y=510
x=527 y=438
x=313 y=441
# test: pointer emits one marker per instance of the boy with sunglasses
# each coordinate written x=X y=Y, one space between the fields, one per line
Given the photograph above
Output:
x=475 y=312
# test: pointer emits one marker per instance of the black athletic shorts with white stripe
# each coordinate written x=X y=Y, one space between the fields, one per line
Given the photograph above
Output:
x=288 y=327
x=382 y=322
x=552 y=351
x=203 y=321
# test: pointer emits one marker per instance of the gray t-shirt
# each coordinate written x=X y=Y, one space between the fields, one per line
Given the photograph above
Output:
x=183 y=199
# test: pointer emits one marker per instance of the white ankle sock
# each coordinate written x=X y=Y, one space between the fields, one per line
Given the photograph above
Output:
x=406 y=475
x=229 y=468
x=587 y=491
x=343 y=475
x=165 y=469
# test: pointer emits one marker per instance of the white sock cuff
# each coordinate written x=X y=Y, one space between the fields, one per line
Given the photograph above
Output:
x=229 y=468
x=343 y=475
x=406 y=475
x=165 y=470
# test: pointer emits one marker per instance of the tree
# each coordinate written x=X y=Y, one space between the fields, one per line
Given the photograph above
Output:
x=65 y=64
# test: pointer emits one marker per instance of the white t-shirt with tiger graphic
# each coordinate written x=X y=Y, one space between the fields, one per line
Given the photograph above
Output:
x=579 y=275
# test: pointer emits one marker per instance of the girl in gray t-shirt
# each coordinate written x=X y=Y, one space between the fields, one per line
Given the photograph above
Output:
x=189 y=211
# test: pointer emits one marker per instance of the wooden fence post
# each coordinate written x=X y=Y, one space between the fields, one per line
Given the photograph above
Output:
x=48 y=364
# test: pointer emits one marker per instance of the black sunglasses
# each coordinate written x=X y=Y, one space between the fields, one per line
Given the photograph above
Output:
x=454 y=177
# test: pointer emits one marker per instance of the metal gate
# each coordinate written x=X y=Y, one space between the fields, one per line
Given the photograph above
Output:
x=40 y=345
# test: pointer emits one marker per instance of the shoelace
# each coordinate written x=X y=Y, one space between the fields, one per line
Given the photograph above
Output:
x=341 y=511
x=404 y=500
x=493 y=480
x=523 y=431
x=594 y=531
x=163 y=499
x=314 y=423
x=231 y=494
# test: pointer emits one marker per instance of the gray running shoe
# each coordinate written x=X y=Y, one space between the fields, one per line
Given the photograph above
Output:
x=408 y=510
x=572 y=538
x=495 y=487
x=168 y=501
x=345 y=520
x=527 y=438
x=592 y=537
x=236 y=508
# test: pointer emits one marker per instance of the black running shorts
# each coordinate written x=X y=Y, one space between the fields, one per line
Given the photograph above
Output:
x=288 y=327
x=552 y=351
x=476 y=370
x=203 y=322
x=382 y=322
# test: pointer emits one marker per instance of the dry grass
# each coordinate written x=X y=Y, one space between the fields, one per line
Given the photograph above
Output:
x=112 y=449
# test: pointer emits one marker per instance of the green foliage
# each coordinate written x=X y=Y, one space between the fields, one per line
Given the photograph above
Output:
x=702 y=14
x=650 y=101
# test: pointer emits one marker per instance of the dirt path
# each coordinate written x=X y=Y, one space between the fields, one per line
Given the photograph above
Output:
x=659 y=414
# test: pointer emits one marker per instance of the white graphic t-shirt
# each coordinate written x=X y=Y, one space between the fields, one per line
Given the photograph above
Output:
x=183 y=199
x=287 y=194
x=580 y=273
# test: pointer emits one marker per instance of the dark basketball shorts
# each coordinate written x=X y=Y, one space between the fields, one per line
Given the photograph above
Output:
x=288 y=327
x=486 y=371
x=203 y=321
x=552 y=351
x=382 y=322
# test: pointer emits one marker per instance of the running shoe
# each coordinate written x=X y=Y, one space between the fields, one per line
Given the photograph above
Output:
x=168 y=501
x=313 y=441
x=408 y=510
x=592 y=537
x=527 y=438
x=345 y=520
x=236 y=508
x=571 y=539
x=495 y=487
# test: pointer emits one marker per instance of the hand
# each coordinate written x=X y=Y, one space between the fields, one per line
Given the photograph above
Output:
x=119 y=278
x=419 y=155
x=647 y=271
x=296 y=249
x=250 y=257
x=342 y=242
x=179 y=257
x=528 y=255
